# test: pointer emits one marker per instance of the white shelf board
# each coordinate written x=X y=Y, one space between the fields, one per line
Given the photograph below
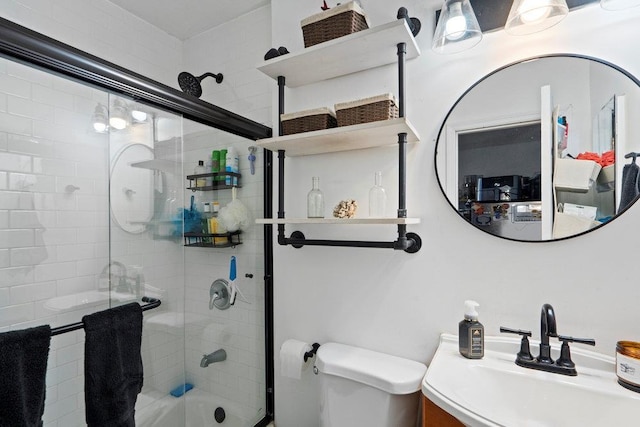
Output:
x=344 y=138
x=345 y=55
x=341 y=221
x=157 y=164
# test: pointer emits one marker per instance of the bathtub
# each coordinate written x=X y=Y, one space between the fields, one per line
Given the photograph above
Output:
x=154 y=409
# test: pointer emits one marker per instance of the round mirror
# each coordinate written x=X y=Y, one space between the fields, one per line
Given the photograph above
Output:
x=543 y=149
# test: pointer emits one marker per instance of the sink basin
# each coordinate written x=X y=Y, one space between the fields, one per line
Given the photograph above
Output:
x=494 y=391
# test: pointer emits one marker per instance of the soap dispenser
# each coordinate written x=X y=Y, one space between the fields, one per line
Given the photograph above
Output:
x=471 y=333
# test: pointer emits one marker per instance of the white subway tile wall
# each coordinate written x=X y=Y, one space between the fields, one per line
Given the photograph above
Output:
x=55 y=234
x=54 y=208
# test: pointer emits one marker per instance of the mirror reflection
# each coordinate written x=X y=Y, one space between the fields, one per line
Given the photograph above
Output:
x=543 y=149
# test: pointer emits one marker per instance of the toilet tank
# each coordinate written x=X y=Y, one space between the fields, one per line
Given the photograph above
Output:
x=360 y=387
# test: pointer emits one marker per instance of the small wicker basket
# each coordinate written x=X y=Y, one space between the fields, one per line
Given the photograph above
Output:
x=308 y=120
x=336 y=22
x=381 y=107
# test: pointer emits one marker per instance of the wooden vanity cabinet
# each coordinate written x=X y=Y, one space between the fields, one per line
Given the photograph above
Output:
x=434 y=416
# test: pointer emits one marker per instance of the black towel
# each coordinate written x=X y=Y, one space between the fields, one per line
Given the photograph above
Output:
x=630 y=185
x=112 y=365
x=23 y=367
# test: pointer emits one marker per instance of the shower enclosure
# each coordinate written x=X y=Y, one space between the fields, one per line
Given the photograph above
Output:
x=93 y=166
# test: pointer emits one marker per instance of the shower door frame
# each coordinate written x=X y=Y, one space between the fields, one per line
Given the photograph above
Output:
x=32 y=48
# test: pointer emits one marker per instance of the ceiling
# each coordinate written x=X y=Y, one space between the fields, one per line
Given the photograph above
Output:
x=186 y=18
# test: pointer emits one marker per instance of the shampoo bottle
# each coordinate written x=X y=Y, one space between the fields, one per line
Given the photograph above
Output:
x=232 y=165
x=223 y=164
x=206 y=215
x=471 y=333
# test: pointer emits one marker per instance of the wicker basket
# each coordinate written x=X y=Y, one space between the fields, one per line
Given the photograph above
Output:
x=381 y=107
x=336 y=22
x=308 y=120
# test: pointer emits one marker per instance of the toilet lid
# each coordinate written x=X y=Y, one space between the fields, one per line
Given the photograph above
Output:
x=392 y=374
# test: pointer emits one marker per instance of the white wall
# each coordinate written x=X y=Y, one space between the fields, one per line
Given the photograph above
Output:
x=399 y=303
x=55 y=242
x=104 y=30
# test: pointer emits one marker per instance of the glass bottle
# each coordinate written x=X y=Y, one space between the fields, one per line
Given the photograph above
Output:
x=215 y=166
x=315 y=200
x=377 y=198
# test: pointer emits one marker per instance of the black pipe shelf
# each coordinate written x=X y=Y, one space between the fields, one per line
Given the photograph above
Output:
x=340 y=221
x=342 y=56
x=363 y=50
x=343 y=138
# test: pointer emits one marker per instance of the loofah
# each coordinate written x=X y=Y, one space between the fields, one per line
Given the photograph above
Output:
x=235 y=215
x=345 y=209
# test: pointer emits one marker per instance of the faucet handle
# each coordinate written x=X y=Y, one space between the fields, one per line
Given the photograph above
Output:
x=525 y=351
x=565 y=351
x=566 y=339
x=515 y=331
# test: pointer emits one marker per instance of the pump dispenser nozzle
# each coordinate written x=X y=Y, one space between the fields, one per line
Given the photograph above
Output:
x=470 y=312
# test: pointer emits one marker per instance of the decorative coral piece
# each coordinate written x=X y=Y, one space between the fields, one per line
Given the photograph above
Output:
x=345 y=209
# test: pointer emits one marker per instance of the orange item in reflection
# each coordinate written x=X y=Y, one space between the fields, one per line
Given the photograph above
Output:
x=607 y=158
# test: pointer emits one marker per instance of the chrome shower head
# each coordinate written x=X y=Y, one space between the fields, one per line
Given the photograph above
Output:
x=191 y=84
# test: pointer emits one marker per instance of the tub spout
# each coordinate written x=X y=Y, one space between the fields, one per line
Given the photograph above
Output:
x=216 y=356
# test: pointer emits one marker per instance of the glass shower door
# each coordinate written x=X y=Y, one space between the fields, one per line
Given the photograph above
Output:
x=91 y=218
x=54 y=221
x=145 y=246
x=233 y=388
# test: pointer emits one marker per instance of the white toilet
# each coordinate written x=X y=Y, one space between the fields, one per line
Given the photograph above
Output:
x=361 y=387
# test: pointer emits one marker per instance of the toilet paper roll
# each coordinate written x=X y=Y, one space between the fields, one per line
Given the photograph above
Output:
x=292 y=358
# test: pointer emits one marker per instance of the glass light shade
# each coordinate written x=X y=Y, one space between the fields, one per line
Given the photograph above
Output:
x=618 y=4
x=100 y=127
x=532 y=16
x=100 y=119
x=118 y=115
x=138 y=115
x=457 y=28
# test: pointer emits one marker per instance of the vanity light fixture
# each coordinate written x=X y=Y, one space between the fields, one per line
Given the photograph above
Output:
x=457 y=28
x=532 y=16
x=618 y=4
x=118 y=115
x=100 y=123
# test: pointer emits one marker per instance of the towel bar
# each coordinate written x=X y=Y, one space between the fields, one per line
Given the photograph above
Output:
x=151 y=304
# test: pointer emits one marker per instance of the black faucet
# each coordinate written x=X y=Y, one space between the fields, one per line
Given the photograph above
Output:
x=564 y=365
x=547 y=329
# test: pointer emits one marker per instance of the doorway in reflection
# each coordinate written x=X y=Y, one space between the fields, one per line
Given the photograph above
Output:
x=499 y=176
